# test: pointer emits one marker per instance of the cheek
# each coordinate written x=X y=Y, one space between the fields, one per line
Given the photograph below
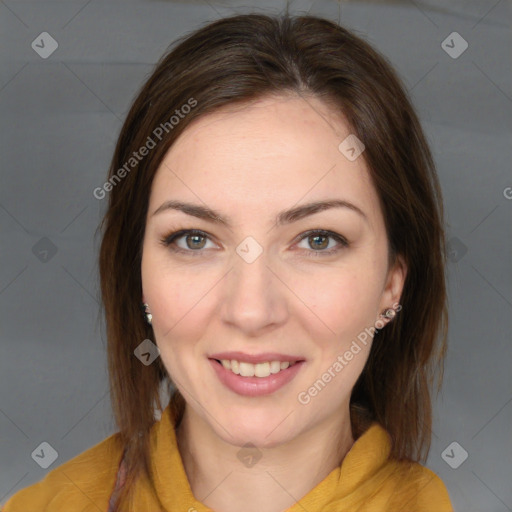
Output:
x=171 y=299
x=174 y=301
x=178 y=297
x=343 y=301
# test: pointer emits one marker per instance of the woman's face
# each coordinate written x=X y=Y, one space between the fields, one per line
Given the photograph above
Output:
x=258 y=283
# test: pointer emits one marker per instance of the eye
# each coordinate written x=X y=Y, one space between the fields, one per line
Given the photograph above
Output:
x=194 y=240
x=319 y=240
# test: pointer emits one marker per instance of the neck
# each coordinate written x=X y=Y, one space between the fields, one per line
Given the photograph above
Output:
x=275 y=481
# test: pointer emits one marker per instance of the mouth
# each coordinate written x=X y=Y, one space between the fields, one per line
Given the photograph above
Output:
x=255 y=379
x=259 y=370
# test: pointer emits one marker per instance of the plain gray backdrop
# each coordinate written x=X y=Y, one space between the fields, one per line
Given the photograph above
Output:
x=61 y=115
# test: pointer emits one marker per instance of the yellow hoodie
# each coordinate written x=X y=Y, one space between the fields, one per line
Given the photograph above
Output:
x=366 y=481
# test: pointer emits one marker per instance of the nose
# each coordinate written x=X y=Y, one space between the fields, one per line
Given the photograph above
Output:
x=255 y=298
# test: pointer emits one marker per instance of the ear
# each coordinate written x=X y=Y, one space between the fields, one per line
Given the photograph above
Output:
x=393 y=288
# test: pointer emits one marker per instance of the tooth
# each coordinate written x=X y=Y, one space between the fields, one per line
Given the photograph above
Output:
x=235 y=367
x=275 y=367
x=262 y=370
x=259 y=370
x=246 y=369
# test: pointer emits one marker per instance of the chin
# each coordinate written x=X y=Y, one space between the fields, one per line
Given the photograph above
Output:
x=262 y=428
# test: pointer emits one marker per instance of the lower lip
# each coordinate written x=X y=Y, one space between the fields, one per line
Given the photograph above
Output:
x=255 y=386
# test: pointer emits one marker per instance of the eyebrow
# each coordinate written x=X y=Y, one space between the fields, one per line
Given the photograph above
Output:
x=284 y=217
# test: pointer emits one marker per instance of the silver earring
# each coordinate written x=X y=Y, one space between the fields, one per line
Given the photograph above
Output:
x=147 y=314
x=389 y=313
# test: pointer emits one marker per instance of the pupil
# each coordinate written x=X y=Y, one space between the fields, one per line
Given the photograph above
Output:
x=196 y=239
x=316 y=237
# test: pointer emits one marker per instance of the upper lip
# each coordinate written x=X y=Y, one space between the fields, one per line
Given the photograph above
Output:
x=256 y=358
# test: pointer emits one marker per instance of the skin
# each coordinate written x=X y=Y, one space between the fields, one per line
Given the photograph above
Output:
x=250 y=163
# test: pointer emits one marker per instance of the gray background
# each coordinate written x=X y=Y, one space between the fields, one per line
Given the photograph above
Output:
x=61 y=117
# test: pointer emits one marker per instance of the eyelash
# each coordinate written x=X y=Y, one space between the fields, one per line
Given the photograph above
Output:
x=169 y=239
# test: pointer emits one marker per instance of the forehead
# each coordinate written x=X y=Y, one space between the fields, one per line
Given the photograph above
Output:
x=258 y=158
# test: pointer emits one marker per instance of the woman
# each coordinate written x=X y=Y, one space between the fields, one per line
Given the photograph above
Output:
x=275 y=211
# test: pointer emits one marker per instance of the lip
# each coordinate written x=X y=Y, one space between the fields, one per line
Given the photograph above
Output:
x=256 y=358
x=255 y=386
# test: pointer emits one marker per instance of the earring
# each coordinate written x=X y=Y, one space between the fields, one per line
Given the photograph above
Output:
x=389 y=313
x=148 y=316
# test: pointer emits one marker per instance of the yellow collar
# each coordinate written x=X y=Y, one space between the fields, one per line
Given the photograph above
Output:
x=345 y=485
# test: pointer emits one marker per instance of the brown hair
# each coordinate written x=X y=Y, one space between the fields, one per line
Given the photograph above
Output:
x=240 y=59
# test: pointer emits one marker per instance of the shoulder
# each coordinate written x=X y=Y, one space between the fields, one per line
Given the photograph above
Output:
x=392 y=484
x=419 y=487
x=82 y=483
